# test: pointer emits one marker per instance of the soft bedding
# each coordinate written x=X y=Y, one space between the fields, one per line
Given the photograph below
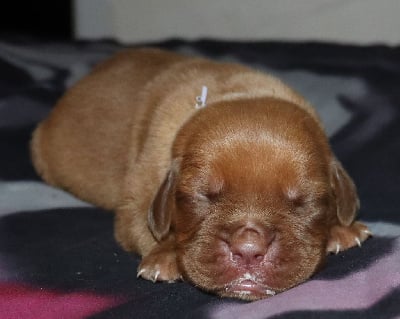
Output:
x=58 y=257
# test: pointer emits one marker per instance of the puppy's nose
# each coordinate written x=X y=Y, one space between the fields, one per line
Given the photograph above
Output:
x=249 y=245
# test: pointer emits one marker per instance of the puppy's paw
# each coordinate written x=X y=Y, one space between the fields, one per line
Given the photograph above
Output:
x=344 y=237
x=159 y=266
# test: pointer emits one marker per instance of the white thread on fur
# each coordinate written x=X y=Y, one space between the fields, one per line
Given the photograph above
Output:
x=202 y=99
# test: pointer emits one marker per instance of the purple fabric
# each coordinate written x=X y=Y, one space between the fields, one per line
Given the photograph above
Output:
x=19 y=301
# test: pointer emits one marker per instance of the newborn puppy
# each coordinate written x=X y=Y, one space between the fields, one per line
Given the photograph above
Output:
x=218 y=174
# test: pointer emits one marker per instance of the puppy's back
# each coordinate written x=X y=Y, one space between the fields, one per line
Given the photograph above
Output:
x=83 y=145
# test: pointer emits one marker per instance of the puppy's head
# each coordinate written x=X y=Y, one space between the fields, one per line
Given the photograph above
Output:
x=251 y=195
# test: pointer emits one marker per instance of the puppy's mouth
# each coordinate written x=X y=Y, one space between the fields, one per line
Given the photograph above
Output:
x=248 y=287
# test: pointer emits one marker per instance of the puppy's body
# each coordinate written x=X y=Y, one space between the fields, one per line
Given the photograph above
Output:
x=219 y=195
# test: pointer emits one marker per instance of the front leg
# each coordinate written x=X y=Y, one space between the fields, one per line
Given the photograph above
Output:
x=344 y=237
x=160 y=264
x=159 y=258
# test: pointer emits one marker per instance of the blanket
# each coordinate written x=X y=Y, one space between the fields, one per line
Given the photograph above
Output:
x=58 y=256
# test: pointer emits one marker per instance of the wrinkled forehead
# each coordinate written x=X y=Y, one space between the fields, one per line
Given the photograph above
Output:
x=261 y=168
x=258 y=167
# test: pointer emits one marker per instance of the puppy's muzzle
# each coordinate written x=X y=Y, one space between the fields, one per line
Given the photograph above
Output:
x=249 y=245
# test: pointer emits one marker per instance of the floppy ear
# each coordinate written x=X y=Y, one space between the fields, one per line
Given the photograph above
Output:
x=347 y=202
x=159 y=216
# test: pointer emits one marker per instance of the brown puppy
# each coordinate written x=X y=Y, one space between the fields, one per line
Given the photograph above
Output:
x=240 y=195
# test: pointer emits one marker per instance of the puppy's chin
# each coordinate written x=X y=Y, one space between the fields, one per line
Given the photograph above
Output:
x=211 y=267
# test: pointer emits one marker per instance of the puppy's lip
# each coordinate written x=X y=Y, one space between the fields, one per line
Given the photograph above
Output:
x=247 y=285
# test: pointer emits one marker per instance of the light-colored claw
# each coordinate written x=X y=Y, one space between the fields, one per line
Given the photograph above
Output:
x=358 y=241
x=368 y=232
x=337 y=248
x=140 y=272
x=156 y=274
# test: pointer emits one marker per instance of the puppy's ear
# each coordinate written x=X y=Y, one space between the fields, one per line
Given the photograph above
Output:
x=347 y=202
x=159 y=217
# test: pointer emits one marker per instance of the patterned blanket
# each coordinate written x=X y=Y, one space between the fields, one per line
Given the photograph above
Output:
x=58 y=257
